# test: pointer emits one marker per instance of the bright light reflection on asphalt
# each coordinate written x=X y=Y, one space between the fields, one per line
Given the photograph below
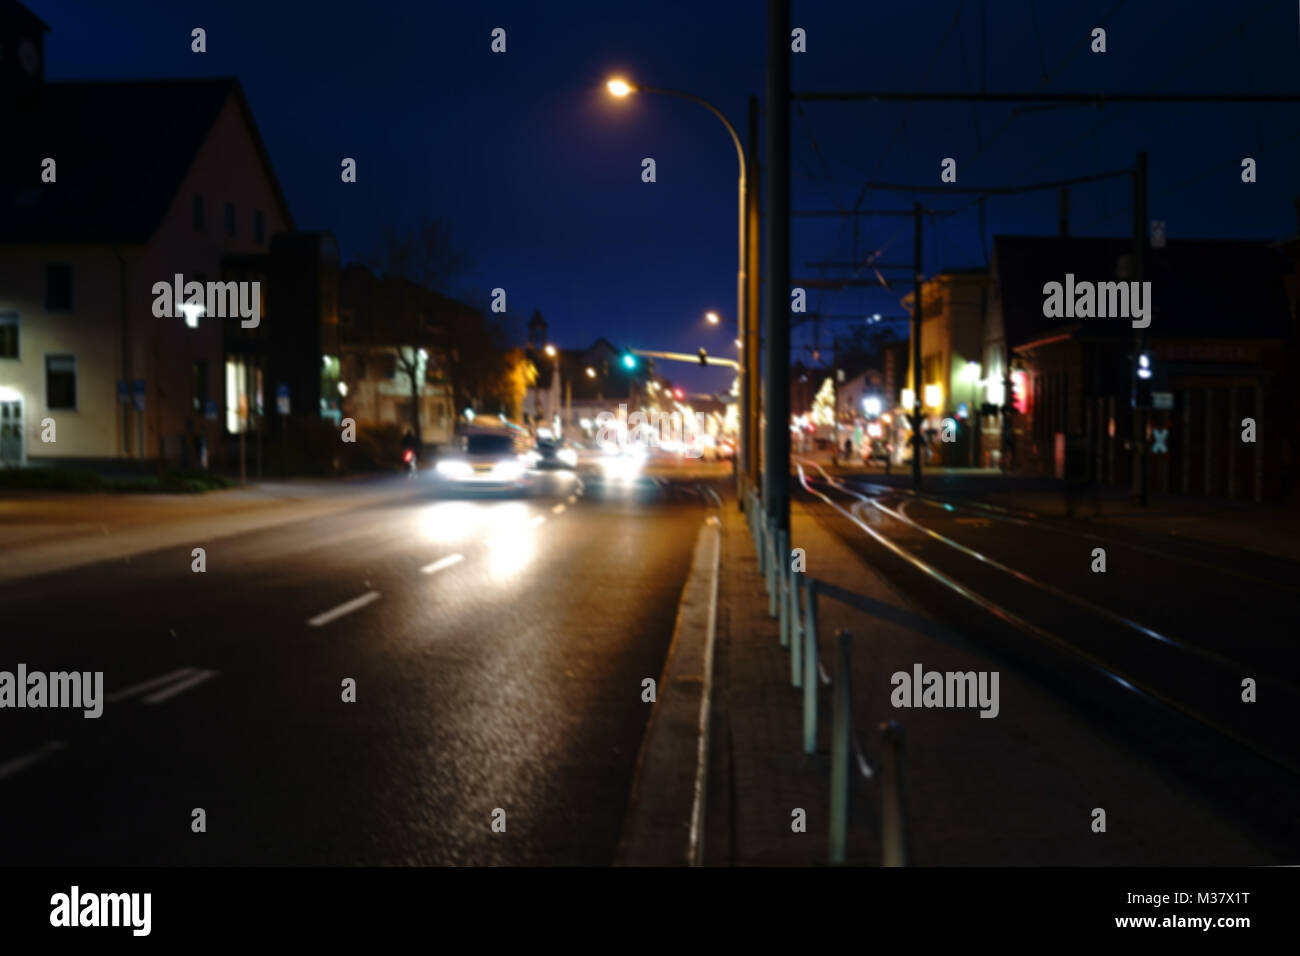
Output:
x=449 y=521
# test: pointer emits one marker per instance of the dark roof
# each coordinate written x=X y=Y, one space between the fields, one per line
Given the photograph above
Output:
x=12 y=11
x=122 y=150
x=1211 y=288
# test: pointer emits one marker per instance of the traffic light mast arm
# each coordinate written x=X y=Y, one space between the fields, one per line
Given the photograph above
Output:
x=683 y=357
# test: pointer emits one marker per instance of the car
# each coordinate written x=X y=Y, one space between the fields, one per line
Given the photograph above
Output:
x=555 y=454
x=486 y=459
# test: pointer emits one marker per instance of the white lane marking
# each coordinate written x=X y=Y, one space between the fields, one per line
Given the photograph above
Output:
x=441 y=563
x=540 y=519
x=558 y=509
x=19 y=764
x=167 y=693
x=143 y=686
x=346 y=608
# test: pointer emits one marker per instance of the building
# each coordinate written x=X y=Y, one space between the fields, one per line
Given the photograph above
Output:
x=594 y=380
x=285 y=371
x=1221 y=348
x=107 y=189
x=397 y=350
x=953 y=380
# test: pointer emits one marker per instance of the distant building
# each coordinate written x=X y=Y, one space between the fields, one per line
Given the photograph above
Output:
x=952 y=340
x=394 y=329
x=1221 y=346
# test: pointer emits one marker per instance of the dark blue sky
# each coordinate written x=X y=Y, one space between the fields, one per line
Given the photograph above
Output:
x=538 y=170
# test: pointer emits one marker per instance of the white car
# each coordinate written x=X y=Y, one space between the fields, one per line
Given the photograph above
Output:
x=487 y=460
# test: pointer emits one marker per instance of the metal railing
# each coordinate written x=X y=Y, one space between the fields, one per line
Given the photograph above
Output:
x=793 y=600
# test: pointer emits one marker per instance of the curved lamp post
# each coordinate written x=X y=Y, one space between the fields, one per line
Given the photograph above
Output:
x=621 y=88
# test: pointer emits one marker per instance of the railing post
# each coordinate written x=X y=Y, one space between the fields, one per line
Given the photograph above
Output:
x=841 y=740
x=810 y=669
x=771 y=568
x=796 y=629
x=783 y=583
x=892 y=843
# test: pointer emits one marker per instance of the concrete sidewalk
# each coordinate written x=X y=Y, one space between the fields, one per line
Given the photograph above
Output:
x=44 y=532
x=1018 y=789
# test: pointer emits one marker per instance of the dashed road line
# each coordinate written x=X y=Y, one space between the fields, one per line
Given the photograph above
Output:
x=143 y=686
x=320 y=620
x=19 y=764
x=442 y=563
x=167 y=693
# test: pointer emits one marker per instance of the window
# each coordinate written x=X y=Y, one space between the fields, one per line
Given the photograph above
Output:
x=259 y=226
x=199 y=225
x=61 y=382
x=58 y=288
x=9 y=335
x=200 y=386
x=230 y=220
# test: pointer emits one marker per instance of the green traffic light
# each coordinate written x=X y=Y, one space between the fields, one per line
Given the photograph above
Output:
x=629 y=360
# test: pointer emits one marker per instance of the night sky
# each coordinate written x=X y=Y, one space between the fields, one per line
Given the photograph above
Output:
x=538 y=169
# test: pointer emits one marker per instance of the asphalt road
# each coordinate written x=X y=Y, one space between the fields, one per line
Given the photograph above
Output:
x=1155 y=648
x=498 y=649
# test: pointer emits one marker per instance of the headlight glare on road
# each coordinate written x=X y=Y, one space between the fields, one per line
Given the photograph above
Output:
x=568 y=456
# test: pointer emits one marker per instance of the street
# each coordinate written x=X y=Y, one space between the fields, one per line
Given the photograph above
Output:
x=497 y=648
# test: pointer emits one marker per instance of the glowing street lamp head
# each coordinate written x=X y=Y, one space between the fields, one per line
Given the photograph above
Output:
x=620 y=87
x=712 y=317
x=591 y=372
x=550 y=351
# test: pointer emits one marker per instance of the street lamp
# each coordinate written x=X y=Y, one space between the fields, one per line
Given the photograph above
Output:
x=620 y=88
x=591 y=372
x=712 y=317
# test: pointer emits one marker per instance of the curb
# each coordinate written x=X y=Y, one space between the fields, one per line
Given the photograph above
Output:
x=664 y=822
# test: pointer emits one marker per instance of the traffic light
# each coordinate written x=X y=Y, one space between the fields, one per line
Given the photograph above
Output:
x=704 y=357
x=679 y=394
x=629 y=361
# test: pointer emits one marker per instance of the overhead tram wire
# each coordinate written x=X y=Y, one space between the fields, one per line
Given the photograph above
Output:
x=1215 y=40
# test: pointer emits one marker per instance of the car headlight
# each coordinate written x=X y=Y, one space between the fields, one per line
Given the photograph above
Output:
x=454 y=469
x=508 y=469
x=568 y=456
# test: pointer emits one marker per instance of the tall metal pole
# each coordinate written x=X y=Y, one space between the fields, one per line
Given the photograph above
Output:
x=776 y=485
x=752 y=338
x=1140 y=484
x=916 y=349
